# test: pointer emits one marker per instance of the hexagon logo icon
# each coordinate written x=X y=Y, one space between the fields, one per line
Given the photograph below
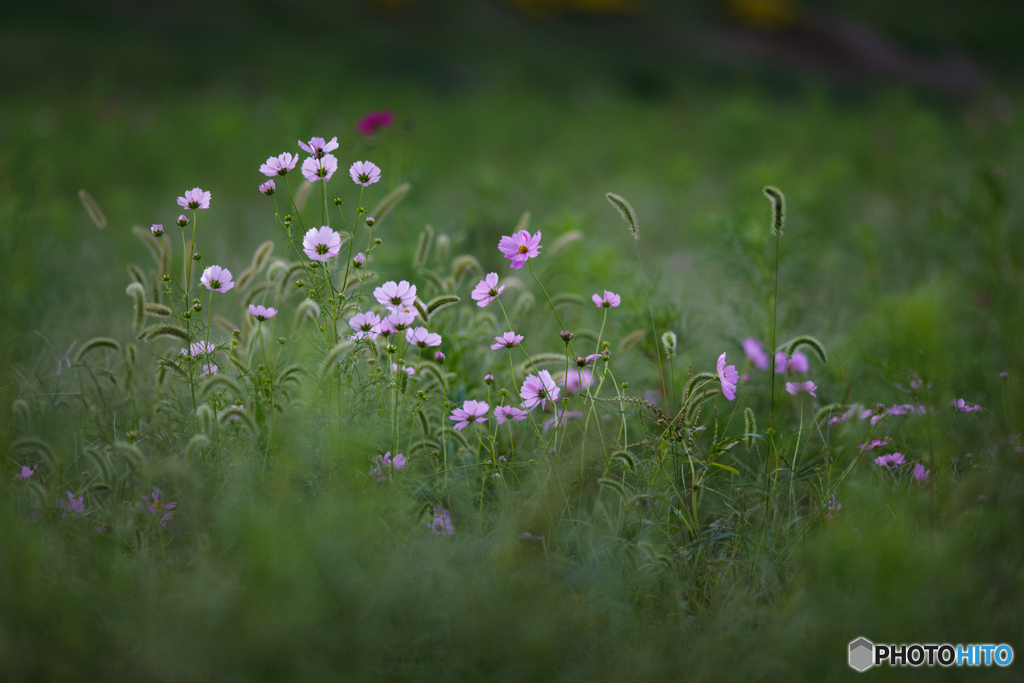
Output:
x=862 y=654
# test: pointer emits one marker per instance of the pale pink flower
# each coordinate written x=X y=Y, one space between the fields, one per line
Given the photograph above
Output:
x=560 y=418
x=321 y=244
x=208 y=369
x=609 y=300
x=155 y=506
x=400 y=320
x=537 y=390
x=374 y=121
x=470 y=412
x=268 y=188
x=261 y=312
x=577 y=379
x=279 y=165
x=318 y=147
x=798 y=363
x=395 y=367
x=487 y=290
x=364 y=325
x=385 y=328
x=505 y=414
x=217 y=279
x=965 y=407
x=72 y=504
x=520 y=247
x=199 y=348
x=422 y=338
x=797 y=388
x=507 y=341
x=877 y=443
x=891 y=460
x=314 y=169
x=364 y=173
x=195 y=199
x=728 y=377
x=157 y=230
x=385 y=465
x=920 y=473
x=394 y=295
x=441 y=524
x=754 y=351
x=25 y=473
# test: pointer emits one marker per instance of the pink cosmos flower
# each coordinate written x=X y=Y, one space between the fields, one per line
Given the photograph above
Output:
x=798 y=363
x=422 y=338
x=560 y=418
x=364 y=173
x=487 y=290
x=965 y=407
x=728 y=377
x=25 y=473
x=877 y=443
x=537 y=390
x=195 y=199
x=72 y=504
x=374 y=121
x=385 y=465
x=262 y=313
x=313 y=168
x=364 y=325
x=279 y=165
x=157 y=230
x=385 y=328
x=609 y=300
x=505 y=414
x=754 y=350
x=268 y=188
x=470 y=412
x=359 y=260
x=920 y=473
x=199 y=348
x=796 y=388
x=217 y=279
x=441 y=524
x=155 y=505
x=395 y=367
x=318 y=147
x=507 y=341
x=321 y=244
x=520 y=247
x=208 y=369
x=891 y=460
x=400 y=320
x=577 y=379
x=394 y=295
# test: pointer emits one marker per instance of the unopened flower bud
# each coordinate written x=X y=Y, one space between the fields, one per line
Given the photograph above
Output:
x=236 y=332
x=488 y=379
x=197 y=256
x=314 y=265
x=370 y=221
x=182 y=220
x=197 y=307
x=359 y=260
x=625 y=385
x=391 y=348
x=338 y=201
x=606 y=354
x=371 y=361
x=300 y=283
x=157 y=230
x=439 y=357
x=566 y=336
x=165 y=278
x=377 y=242
x=186 y=315
x=503 y=392
x=281 y=340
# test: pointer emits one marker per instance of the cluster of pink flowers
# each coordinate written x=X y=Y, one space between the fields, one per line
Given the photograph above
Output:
x=754 y=351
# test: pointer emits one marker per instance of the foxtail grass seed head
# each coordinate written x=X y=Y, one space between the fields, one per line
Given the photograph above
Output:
x=625 y=210
x=182 y=220
x=268 y=188
x=217 y=279
x=668 y=343
x=279 y=165
x=157 y=230
x=321 y=244
x=364 y=173
x=811 y=342
x=195 y=199
x=749 y=428
x=315 y=169
x=93 y=209
x=778 y=202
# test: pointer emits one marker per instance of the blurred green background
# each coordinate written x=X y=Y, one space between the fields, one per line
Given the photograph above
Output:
x=895 y=128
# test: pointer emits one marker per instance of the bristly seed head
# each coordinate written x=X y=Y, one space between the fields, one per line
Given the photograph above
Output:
x=778 y=201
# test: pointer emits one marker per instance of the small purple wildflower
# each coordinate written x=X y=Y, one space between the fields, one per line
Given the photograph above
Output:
x=520 y=247
x=364 y=173
x=195 y=199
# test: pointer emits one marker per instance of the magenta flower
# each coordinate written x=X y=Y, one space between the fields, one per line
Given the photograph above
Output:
x=364 y=173
x=877 y=443
x=155 y=505
x=400 y=320
x=25 y=473
x=364 y=325
x=470 y=412
x=268 y=188
x=439 y=357
x=217 y=279
x=520 y=247
x=385 y=465
x=374 y=121
x=359 y=260
x=798 y=363
x=395 y=367
x=157 y=230
x=72 y=505
x=965 y=407
x=797 y=388
x=262 y=313
x=728 y=377
x=505 y=414
x=199 y=348
x=507 y=341
x=394 y=295
x=920 y=473
x=487 y=290
x=422 y=338
x=279 y=165
x=891 y=460
x=195 y=199
x=208 y=369
x=317 y=168
x=442 y=522
x=609 y=300
x=537 y=390
x=754 y=351
x=318 y=147
x=321 y=244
